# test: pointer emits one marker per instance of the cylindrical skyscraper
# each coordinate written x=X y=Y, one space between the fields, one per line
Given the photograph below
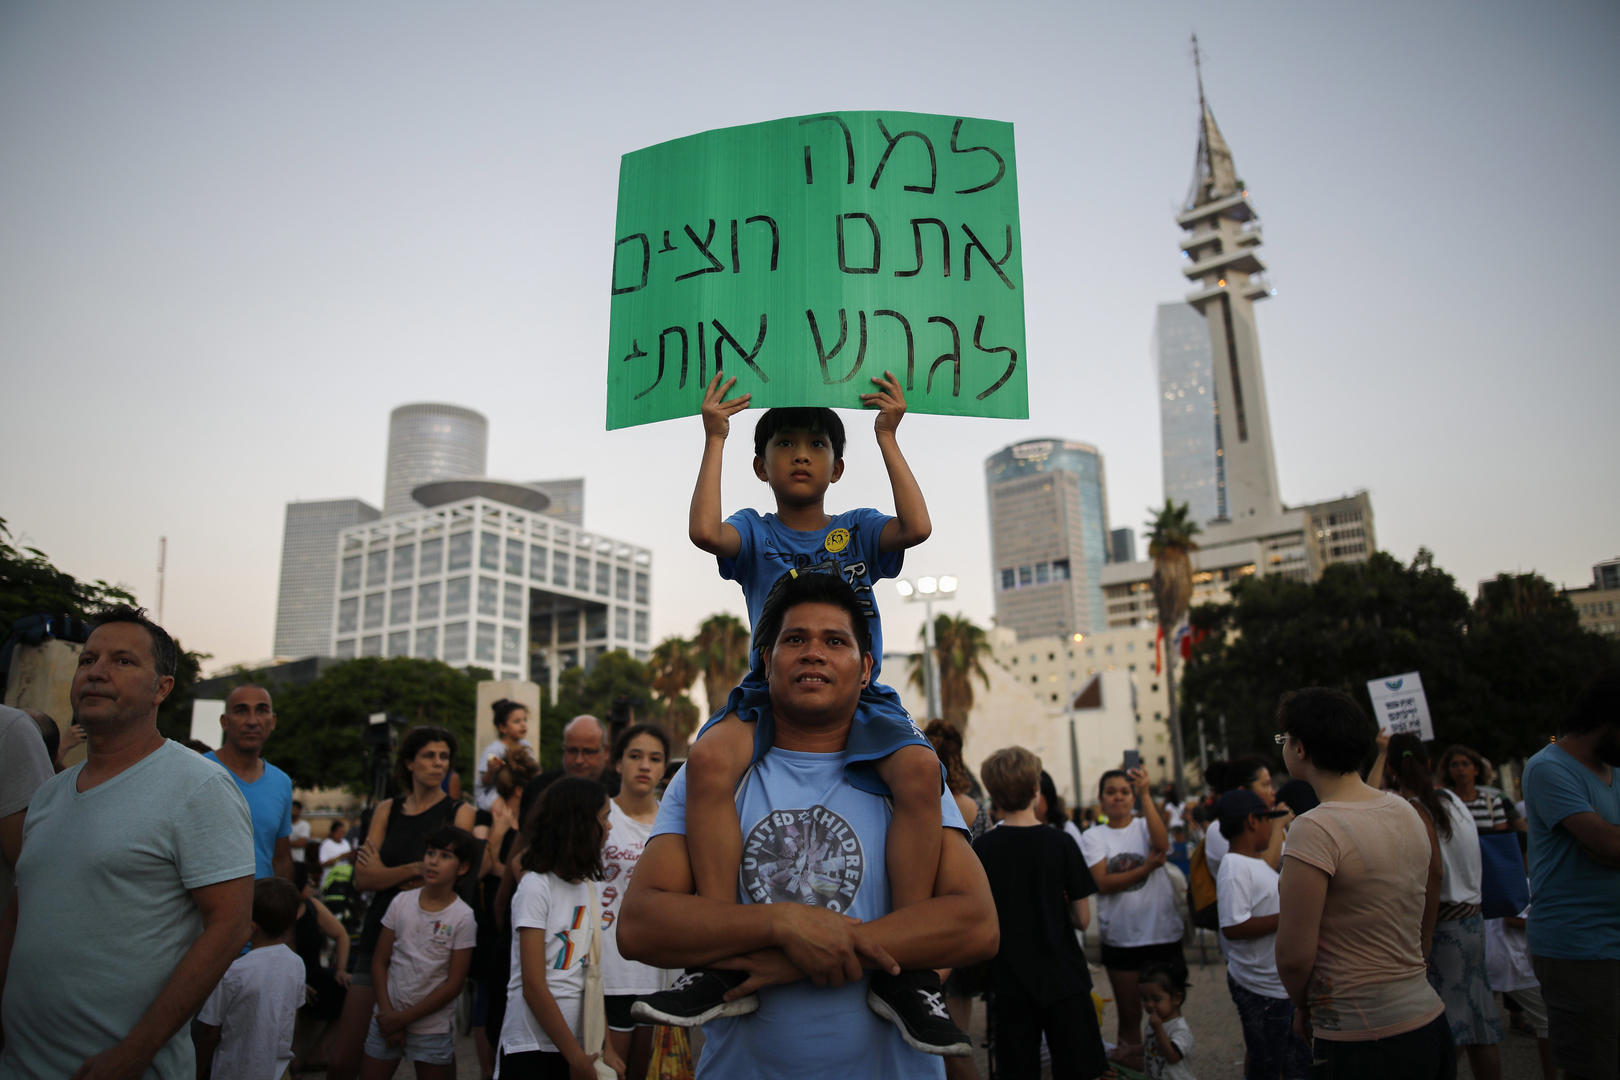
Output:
x=431 y=441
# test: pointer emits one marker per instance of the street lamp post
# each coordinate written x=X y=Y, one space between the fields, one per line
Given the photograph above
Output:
x=927 y=590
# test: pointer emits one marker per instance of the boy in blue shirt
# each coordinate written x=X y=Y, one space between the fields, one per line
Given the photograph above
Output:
x=799 y=453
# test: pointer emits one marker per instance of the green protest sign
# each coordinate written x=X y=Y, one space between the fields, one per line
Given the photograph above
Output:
x=804 y=256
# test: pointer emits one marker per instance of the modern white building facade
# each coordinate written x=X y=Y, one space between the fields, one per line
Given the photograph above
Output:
x=483 y=576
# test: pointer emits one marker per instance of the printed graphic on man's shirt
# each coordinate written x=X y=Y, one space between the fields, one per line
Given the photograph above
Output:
x=808 y=856
x=1127 y=860
x=573 y=942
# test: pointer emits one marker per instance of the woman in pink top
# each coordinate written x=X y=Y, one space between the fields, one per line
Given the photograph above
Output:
x=1359 y=889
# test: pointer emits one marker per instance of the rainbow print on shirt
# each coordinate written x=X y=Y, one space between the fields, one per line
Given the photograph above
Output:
x=570 y=948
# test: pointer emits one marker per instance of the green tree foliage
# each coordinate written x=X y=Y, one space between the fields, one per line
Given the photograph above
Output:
x=616 y=677
x=31 y=585
x=673 y=670
x=1170 y=546
x=961 y=646
x=319 y=725
x=720 y=651
x=1496 y=676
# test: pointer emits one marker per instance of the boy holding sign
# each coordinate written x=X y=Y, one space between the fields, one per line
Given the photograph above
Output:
x=799 y=453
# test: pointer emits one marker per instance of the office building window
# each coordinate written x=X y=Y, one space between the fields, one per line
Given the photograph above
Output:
x=432 y=555
x=457 y=595
x=537 y=563
x=349 y=615
x=345 y=649
x=641 y=587
x=405 y=562
x=374 y=609
x=371 y=645
x=514 y=558
x=460 y=550
x=427 y=643
x=399 y=609
x=377 y=569
x=455 y=643
x=427 y=600
x=489 y=551
x=512 y=601
x=351 y=573
x=488 y=594
x=511 y=645
x=399 y=643
x=484 y=650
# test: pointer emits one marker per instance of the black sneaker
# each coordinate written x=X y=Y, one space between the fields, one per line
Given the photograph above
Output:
x=697 y=996
x=914 y=1002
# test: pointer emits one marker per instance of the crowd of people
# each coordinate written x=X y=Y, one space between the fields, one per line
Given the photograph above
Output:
x=824 y=888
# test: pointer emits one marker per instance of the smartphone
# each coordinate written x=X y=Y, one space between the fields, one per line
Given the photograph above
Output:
x=1133 y=760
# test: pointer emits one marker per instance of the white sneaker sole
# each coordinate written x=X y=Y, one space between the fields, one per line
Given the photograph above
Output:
x=741 y=1007
x=885 y=1010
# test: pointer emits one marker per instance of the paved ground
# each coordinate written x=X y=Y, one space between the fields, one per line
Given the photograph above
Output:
x=1209 y=1012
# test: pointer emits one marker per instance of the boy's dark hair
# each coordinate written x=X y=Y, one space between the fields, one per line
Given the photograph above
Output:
x=412 y=744
x=794 y=588
x=275 y=905
x=1012 y=777
x=1173 y=977
x=635 y=731
x=1234 y=827
x=165 y=655
x=458 y=842
x=1597 y=704
x=563 y=834
x=1336 y=732
x=815 y=421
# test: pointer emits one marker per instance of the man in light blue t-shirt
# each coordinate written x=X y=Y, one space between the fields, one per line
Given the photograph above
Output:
x=814 y=910
x=245 y=726
x=135 y=883
x=1573 y=806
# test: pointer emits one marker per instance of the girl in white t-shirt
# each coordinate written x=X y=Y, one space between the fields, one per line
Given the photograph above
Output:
x=1136 y=909
x=554 y=913
x=640 y=755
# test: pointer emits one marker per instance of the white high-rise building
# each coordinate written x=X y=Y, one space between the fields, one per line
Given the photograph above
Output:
x=431 y=441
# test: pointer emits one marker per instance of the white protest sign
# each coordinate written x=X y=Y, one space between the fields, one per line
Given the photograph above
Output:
x=1399 y=705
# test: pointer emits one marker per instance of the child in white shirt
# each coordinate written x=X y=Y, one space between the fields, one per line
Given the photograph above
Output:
x=1168 y=1041
x=245 y=1028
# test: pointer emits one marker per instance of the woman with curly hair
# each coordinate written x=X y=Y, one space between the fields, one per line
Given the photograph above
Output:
x=1466 y=773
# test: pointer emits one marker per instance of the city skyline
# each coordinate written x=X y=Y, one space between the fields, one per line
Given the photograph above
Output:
x=238 y=238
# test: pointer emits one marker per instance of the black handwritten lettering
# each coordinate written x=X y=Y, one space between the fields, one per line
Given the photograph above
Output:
x=911 y=345
x=1001 y=162
x=668 y=247
x=954 y=356
x=646 y=262
x=746 y=355
x=714 y=264
x=893 y=141
x=975 y=242
x=663 y=336
x=703 y=368
x=823 y=355
x=916 y=237
x=849 y=148
x=1012 y=360
x=877 y=245
x=776 y=236
x=635 y=351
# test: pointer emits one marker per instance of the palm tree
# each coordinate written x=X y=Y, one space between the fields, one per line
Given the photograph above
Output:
x=1170 y=546
x=720 y=651
x=673 y=672
x=960 y=647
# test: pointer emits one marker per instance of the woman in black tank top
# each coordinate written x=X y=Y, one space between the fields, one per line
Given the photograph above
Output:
x=390 y=863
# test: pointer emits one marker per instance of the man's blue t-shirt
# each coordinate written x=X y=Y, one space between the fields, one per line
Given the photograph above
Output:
x=809 y=837
x=1575 y=901
x=848 y=546
x=269 y=800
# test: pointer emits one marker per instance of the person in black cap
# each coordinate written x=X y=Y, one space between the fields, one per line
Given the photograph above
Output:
x=1246 y=892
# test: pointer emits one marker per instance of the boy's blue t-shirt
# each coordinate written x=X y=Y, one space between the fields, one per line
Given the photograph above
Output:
x=269 y=800
x=848 y=546
x=809 y=837
x=1576 y=909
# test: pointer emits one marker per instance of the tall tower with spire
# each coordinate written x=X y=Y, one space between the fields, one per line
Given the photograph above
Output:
x=1222 y=244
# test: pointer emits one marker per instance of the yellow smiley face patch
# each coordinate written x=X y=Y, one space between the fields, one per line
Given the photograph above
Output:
x=837 y=540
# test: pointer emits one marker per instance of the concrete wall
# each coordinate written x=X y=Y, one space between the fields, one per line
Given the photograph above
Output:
x=41 y=677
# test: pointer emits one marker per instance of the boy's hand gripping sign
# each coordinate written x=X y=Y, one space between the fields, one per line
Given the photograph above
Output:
x=804 y=256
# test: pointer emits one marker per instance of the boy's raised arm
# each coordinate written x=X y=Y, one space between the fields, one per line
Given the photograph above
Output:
x=911 y=525
x=706 y=526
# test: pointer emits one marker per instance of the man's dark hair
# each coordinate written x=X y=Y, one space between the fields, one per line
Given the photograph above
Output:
x=458 y=842
x=794 y=588
x=1597 y=704
x=1336 y=733
x=275 y=905
x=165 y=655
x=815 y=421
x=563 y=834
x=634 y=731
x=412 y=744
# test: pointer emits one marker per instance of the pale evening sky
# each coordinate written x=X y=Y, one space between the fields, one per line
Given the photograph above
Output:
x=234 y=236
